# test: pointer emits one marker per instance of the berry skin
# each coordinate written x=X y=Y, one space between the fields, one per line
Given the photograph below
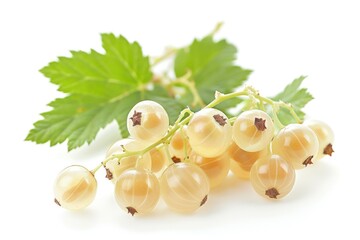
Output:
x=179 y=146
x=297 y=144
x=75 y=188
x=272 y=177
x=216 y=169
x=184 y=187
x=325 y=136
x=158 y=159
x=209 y=132
x=114 y=168
x=118 y=146
x=238 y=171
x=242 y=161
x=137 y=191
x=253 y=130
x=147 y=121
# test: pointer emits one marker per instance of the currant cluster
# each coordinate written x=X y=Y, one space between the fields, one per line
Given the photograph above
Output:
x=182 y=162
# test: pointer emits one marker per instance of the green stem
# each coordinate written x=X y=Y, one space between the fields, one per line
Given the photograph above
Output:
x=145 y=150
x=217 y=28
x=232 y=120
x=167 y=54
x=277 y=121
x=186 y=82
x=219 y=98
x=96 y=168
x=171 y=51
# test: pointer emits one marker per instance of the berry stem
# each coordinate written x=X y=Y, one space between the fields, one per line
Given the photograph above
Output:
x=172 y=51
x=169 y=52
x=179 y=123
x=187 y=82
x=217 y=28
x=97 y=168
x=186 y=115
x=252 y=93
x=275 y=109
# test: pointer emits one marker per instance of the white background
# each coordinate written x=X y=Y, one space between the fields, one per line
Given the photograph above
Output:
x=279 y=40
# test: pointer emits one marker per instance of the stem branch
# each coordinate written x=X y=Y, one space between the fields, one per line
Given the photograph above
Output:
x=186 y=115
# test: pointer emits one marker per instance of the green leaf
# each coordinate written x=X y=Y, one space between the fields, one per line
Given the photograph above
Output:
x=101 y=88
x=121 y=68
x=212 y=67
x=78 y=118
x=295 y=95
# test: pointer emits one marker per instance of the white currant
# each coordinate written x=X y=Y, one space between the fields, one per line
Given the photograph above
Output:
x=209 y=132
x=272 y=177
x=147 y=121
x=297 y=144
x=325 y=136
x=75 y=188
x=137 y=191
x=253 y=130
x=184 y=187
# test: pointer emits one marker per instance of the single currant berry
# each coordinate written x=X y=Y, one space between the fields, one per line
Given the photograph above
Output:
x=325 y=137
x=75 y=188
x=147 y=121
x=297 y=144
x=209 y=133
x=184 y=187
x=114 y=167
x=272 y=177
x=137 y=191
x=216 y=169
x=253 y=130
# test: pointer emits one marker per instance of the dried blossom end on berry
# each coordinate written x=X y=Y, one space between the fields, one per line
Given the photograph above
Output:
x=328 y=150
x=131 y=210
x=260 y=124
x=175 y=159
x=308 y=161
x=204 y=200
x=57 y=202
x=136 y=118
x=272 y=193
x=220 y=119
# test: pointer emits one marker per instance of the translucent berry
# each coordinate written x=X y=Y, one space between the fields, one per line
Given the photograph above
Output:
x=75 y=188
x=209 y=132
x=297 y=144
x=272 y=177
x=137 y=191
x=253 y=130
x=184 y=187
x=147 y=121
x=324 y=135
